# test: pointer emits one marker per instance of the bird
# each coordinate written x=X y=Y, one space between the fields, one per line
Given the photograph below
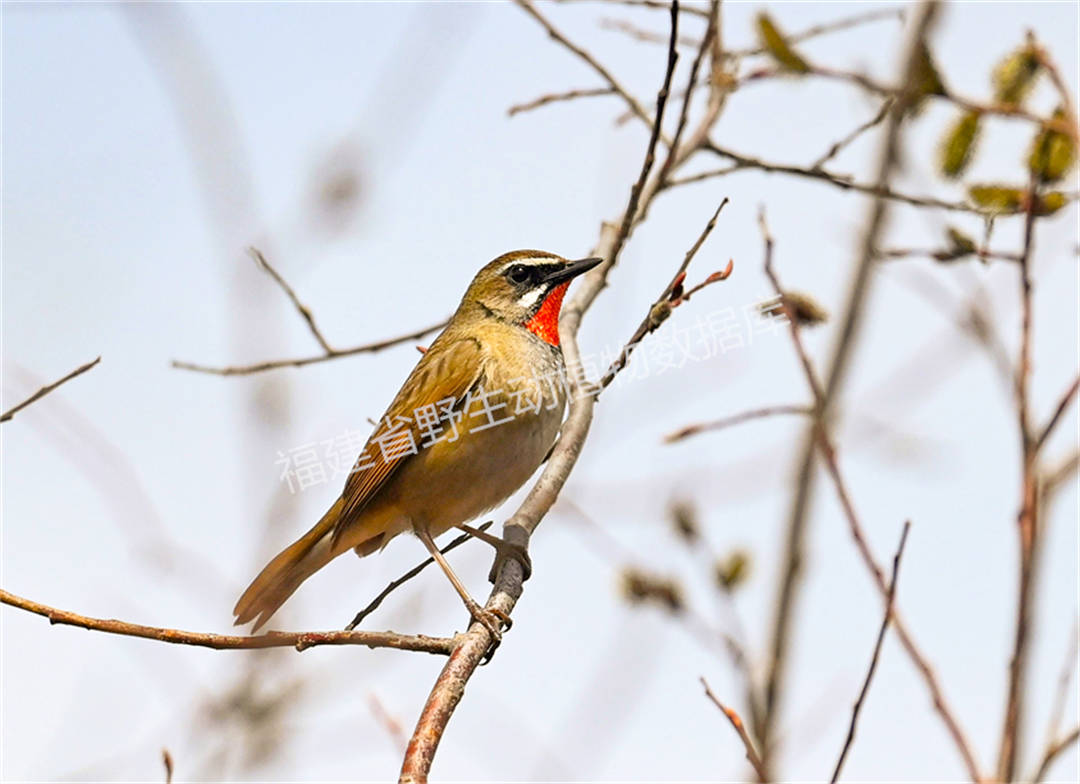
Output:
x=478 y=414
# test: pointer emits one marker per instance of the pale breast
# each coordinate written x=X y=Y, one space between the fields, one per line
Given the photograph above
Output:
x=501 y=438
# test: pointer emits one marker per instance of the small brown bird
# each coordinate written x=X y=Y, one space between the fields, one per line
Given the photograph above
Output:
x=475 y=418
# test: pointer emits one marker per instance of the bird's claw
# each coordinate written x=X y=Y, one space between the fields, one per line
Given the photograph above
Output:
x=516 y=552
x=496 y=622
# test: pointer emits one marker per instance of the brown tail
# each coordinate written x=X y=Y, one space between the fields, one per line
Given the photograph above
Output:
x=280 y=578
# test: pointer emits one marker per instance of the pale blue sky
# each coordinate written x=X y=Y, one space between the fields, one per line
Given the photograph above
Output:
x=123 y=238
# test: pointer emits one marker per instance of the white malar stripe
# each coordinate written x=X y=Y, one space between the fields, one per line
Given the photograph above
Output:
x=529 y=298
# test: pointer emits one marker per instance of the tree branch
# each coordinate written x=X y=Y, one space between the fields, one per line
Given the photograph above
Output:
x=302 y=309
x=1052 y=752
x=549 y=98
x=259 y=367
x=737 y=419
x=46 y=390
x=877 y=653
x=395 y=584
x=848 y=324
x=299 y=640
x=740 y=727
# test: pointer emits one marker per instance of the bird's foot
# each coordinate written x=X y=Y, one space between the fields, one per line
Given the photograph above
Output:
x=503 y=551
x=496 y=622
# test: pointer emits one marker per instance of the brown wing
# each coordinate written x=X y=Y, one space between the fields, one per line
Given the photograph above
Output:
x=443 y=373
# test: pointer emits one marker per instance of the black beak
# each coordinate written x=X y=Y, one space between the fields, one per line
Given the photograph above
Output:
x=572 y=270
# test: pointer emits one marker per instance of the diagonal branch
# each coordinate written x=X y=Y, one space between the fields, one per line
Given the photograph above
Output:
x=877 y=654
x=395 y=584
x=304 y=310
x=740 y=727
x=46 y=390
x=827 y=451
x=833 y=378
x=299 y=640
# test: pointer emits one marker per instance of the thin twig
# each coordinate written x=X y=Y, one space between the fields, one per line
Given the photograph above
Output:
x=828 y=454
x=302 y=309
x=947 y=254
x=1027 y=518
x=736 y=419
x=1014 y=110
x=849 y=324
x=743 y=162
x=395 y=584
x=1052 y=752
x=1063 y=404
x=663 y=306
x=632 y=102
x=47 y=389
x=740 y=727
x=835 y=149
x=549 y=98
x=829 y=27
x=299 y=640
x=656 y=5
x=889 y=599
x=367 y=348
x=1068 y=669
x=684 y=113
x=631 y=215
x=167 y=761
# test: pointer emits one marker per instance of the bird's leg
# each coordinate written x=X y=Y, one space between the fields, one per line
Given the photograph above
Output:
x=490 y=619
x=503 y=550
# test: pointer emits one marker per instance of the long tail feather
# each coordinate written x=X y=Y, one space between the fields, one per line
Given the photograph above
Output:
x=280 y=578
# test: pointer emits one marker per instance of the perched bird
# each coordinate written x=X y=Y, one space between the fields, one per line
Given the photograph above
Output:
x=475 y=418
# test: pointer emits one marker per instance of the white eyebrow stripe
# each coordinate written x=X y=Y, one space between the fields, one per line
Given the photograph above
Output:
x=531 y=261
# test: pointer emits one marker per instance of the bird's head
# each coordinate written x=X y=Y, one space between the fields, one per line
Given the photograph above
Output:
x=525 y=288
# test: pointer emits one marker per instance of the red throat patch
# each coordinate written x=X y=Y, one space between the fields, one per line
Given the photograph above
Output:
x=545 y=324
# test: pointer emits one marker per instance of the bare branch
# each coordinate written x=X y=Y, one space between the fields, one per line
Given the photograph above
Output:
x=841 y=181
x=1063 y=404
x=737 y=723
x=1027 y=518
x=302 y=309
x=663 y=306
x=367 y=348
x=1013 y=110
x=46 y=390
x=550 y=98
x=630 y=216
x=299 y=640
x=656 y=5
x=830 y=27
x=1068 y=670
x=737 y=419
x=877 y=653
x=395 y=584
x=849 y=323
x=1052 y=752
x=828 y=454
x=632 y=102
x=835 y=149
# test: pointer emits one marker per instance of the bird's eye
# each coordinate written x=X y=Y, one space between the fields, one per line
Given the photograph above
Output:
x=519 y=274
